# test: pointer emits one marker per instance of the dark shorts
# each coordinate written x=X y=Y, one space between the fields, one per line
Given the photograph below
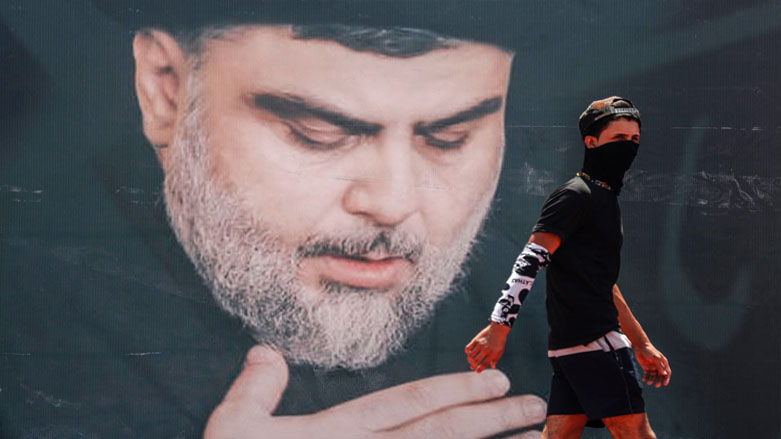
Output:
x=598 y=384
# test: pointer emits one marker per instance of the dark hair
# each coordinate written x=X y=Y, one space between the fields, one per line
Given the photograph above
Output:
x=596 y=128
x=397 y=42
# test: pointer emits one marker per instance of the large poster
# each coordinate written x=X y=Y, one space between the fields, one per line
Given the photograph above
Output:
x=348 y=185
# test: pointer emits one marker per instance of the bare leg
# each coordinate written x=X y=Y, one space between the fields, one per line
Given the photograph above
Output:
x=634 y=426
x=564 y=426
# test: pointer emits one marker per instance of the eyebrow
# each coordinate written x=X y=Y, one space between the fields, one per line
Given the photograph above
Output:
x=616 y=135
x=295 y=107
x=482 y=109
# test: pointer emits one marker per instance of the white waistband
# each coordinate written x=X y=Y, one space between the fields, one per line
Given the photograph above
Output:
x=615 y=338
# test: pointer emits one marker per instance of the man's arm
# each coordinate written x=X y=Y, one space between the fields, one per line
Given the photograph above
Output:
x=487 y=347
x=655 y=366
x=550 y=241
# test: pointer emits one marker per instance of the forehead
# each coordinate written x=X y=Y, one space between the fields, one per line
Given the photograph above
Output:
x=270 y=58
x=622 y=125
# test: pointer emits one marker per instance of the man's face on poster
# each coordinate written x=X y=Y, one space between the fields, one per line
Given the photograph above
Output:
x=330 y=196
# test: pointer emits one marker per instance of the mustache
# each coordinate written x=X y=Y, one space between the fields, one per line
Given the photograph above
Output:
x=391 y=243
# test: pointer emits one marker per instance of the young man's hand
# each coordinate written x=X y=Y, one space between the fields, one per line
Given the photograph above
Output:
x=656 y=368
x=487 y=347
x=460 y=405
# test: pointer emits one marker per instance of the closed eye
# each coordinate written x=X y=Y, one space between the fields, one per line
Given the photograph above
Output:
x=446 y=140
x=315 y=134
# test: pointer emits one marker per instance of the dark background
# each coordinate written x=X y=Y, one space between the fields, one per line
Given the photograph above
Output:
x=106 y=332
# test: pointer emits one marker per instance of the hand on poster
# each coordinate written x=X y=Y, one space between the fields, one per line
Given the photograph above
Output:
x=460 y=405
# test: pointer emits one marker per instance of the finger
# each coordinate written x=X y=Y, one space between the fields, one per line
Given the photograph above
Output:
x=485 y=362
x=669 y=373
x=661 y=373
x=482 y=366
x=475 y=359
x=531 y=434
x=480 y=357
x=473 y=353
x=262 y=380
x=656 y=378
x=649 y=377
x=477 y=420
x=472 y=344
x=397 y=405
x=666 y=365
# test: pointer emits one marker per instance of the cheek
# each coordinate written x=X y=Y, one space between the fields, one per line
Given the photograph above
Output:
x=461 y=190
x=282 y=191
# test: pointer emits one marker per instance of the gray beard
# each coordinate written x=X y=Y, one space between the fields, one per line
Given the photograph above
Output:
x=253 y=278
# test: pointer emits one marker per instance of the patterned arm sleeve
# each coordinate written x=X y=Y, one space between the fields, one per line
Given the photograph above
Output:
x=529 y=262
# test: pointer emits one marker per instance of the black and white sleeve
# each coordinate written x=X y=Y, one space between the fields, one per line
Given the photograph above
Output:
x=532 y=258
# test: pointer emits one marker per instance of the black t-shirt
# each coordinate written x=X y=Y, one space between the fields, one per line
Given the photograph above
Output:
x=582 y=272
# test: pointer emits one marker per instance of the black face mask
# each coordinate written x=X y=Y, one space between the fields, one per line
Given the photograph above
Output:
x=610 y=161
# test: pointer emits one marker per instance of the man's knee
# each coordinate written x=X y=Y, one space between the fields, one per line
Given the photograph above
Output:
x=564 y=426
x=634 y=426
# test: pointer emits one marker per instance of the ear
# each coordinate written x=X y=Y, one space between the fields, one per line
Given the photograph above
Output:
x=590 y=142
x=160 y=69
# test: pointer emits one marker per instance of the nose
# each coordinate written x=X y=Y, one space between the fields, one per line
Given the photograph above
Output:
x=387 y=192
